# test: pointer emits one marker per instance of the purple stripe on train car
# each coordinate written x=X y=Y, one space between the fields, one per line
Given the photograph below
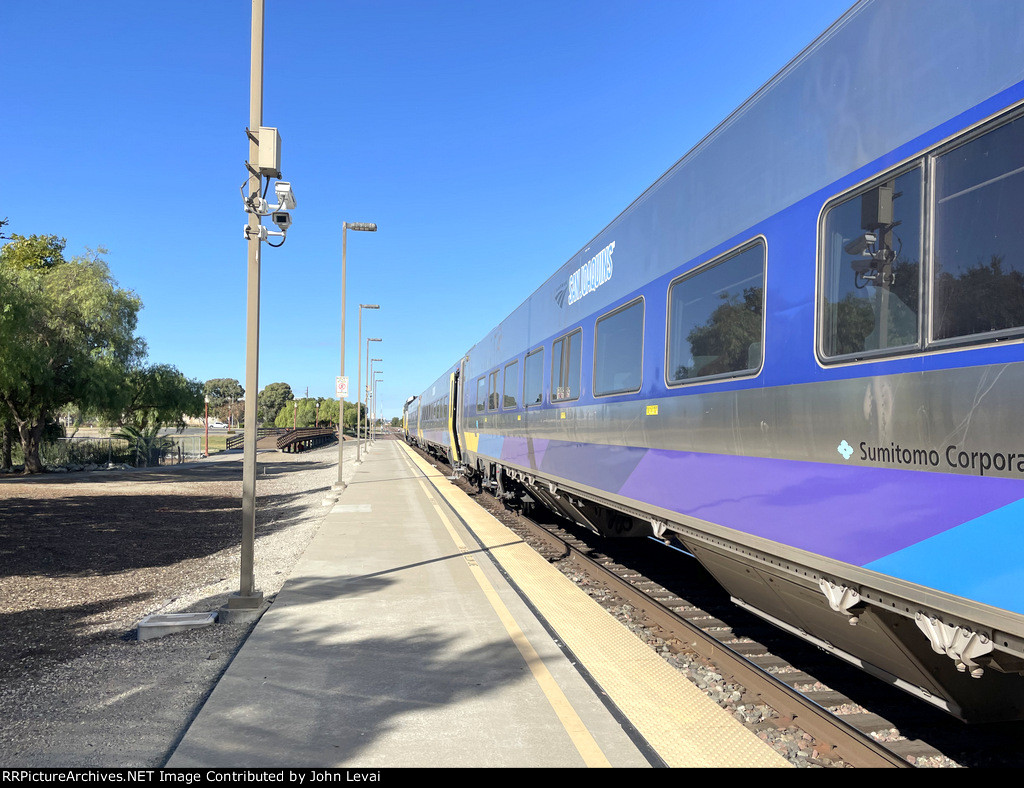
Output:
x=846 y=512
x=525 y=452
x=604 y=467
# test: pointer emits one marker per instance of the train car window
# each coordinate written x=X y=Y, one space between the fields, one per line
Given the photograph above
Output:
x=492 y=391
x=871 y=278
x=511 y=385
x=716 y=325
x=978 y=251
x=481 y=395
x=533 y=378
x=566 y=358
x=619 y=350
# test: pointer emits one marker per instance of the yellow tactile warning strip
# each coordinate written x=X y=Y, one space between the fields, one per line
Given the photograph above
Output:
x=677 y=720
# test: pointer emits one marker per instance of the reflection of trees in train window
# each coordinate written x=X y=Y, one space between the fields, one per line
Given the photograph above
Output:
x=533 y=378
x=979 y=235
x=511 y=384
x=715 y=319
x=492 y=391
x=481 y=395
x=618 y=350
x=871 y=276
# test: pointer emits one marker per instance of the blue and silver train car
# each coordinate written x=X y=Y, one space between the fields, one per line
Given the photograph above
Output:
x=800 y=353
x=435 y=425
x=410 y=419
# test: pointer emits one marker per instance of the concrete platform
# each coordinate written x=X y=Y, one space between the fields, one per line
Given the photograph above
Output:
x=417 y=631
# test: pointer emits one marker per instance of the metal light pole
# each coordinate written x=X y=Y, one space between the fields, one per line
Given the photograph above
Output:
x=206 y=420
x=248 y=597
x=363 y=400
x=345 y=226
x=359 y=375
x=369 y=391
x=376 y=380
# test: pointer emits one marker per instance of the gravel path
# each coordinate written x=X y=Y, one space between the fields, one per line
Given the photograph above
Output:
x=84 y=557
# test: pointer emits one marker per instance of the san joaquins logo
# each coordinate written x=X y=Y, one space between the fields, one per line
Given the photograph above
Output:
x=587 y=278
x=950 y=457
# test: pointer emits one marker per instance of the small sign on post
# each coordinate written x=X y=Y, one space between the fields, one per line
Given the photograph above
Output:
x=341 y=385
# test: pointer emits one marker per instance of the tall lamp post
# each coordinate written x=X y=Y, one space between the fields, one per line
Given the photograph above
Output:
x=376 y=380
x=361 y=393
x=369 y=398
x=359 y=375
x=264 y=161
x=206 y=420
x=369 y=371
x=345 y=226
x=248 y=598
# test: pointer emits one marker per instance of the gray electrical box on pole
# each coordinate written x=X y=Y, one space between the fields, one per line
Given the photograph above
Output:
x=270 y=152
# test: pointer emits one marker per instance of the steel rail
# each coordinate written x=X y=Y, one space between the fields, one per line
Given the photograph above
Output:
x=829 y=731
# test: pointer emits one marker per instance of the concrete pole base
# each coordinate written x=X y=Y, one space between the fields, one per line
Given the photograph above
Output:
x=243 y=609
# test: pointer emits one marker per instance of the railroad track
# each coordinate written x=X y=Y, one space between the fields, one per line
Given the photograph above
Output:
x=815 y=709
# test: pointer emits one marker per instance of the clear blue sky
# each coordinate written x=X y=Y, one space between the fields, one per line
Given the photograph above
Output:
x=489 y=140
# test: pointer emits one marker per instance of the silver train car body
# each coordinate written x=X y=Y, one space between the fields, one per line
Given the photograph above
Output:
x=800 y=353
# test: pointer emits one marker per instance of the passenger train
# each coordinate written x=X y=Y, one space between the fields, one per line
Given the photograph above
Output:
x=800 y=355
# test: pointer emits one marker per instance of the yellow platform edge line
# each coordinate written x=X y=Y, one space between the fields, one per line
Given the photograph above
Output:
x=577 y=731
x=683 y=725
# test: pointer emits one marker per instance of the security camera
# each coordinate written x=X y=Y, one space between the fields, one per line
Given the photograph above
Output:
x=282 y=219
x=861 y=245
x=285 y=196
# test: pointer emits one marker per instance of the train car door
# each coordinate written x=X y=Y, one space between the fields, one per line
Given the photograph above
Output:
x=453 y=400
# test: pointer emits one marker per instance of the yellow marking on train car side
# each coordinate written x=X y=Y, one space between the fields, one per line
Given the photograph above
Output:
x=652 y=410
x=561 y=415
x=472 y=440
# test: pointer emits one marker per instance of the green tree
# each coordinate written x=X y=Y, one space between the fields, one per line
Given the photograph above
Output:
x=298 y=412
x=328 y=412
x=352 y=414
x=8 y=437
x=224 y=394
x=66 y=331
x=271 y=400
x=156 y=396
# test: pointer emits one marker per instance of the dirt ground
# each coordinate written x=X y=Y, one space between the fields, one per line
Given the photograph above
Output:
x=84 y=557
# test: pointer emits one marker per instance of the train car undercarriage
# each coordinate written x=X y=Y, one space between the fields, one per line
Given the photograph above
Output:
x=964 y=657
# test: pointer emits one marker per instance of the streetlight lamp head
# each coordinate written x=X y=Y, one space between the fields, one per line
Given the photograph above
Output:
x=374 y=339
x=369 y=306
x=367 y=227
